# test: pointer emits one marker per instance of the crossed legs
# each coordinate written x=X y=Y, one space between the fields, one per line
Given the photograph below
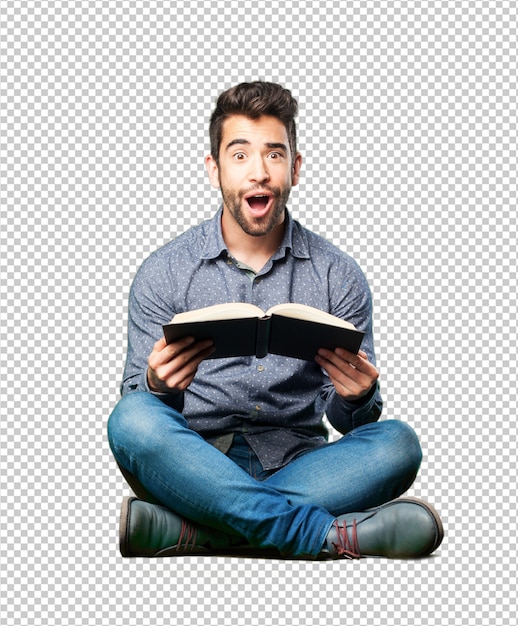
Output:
x=292 y=509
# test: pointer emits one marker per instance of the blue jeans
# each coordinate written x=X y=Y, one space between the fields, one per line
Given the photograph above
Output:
x=291 y=509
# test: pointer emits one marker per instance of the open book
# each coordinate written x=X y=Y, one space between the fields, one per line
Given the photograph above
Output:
x=241 y=329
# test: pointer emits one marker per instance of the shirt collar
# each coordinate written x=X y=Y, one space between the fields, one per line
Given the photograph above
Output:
x=294 y=239
x=214 y=244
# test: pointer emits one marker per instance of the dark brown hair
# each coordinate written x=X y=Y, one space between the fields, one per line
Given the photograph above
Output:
x=253 y=100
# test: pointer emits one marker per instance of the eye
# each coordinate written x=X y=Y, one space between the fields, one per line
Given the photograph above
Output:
x=239 y=156
x=275 y=155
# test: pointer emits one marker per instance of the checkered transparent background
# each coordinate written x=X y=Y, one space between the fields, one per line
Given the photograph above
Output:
x=408 y=128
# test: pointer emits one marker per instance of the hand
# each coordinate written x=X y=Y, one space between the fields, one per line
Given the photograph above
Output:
x=172 y=367
x=351 y=374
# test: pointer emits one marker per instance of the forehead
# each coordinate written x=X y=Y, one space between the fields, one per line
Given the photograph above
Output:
x=264 y=129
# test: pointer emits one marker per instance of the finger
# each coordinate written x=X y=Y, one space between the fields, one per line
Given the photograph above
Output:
x=182 y=377
x=349 y=383
x=175 y=348
x=170 y=352
x=358 y=361
x=355 y=360
x=359 y=372
x=160 y=344
x=341 y=357
x=162 y=351
x=191 y=355
x=175 y=357
x=342 y=352
x=161 y=361
x=193 y=350
x=338 y=369
x=345 y=384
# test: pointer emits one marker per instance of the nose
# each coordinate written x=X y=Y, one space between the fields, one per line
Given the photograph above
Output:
x=258 y=172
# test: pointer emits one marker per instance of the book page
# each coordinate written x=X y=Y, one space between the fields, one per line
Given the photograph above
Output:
x=226 y=311
x=308 y=313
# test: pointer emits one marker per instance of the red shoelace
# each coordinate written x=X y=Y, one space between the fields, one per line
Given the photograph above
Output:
x=188 y=536
x=347 y=548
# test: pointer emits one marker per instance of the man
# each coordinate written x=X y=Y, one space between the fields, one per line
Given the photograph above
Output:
x=231 y=455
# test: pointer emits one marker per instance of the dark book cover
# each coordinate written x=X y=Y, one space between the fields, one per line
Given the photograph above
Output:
x=302 y=339
x=276 y=334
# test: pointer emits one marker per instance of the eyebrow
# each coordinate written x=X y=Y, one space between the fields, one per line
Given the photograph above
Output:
x=270 y=145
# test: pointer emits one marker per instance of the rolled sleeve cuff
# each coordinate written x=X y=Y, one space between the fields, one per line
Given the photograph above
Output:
x=365 y=410
x=140 y=383
x=346 y=415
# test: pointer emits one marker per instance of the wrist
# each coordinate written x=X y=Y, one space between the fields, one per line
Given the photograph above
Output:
x=366 y=396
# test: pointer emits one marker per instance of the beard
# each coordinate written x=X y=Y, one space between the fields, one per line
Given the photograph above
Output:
x=256 y=226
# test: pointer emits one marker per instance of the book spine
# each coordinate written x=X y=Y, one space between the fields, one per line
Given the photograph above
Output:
x=263 y=336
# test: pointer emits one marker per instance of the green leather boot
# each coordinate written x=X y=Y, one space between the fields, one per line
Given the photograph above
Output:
x=152 y=530
x=401 y=529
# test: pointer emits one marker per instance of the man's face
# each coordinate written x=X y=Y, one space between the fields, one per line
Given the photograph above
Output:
x=255 y=173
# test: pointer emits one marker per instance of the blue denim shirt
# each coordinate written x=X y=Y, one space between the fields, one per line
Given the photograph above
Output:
x=276 y=403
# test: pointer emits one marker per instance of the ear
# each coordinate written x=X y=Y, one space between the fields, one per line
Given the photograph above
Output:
x=212 y=171
x=297 y=164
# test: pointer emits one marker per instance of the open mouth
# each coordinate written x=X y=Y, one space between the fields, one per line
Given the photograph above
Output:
x=258 y=203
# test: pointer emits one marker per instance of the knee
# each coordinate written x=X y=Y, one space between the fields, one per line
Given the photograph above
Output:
x=132 y=420
x=405 y=447
x=124 y=416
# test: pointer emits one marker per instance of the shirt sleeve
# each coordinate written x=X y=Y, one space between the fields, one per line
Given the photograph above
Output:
x=148 y=310
x=352 y=301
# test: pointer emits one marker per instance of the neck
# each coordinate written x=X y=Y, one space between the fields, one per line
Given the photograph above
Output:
x=255 y=251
